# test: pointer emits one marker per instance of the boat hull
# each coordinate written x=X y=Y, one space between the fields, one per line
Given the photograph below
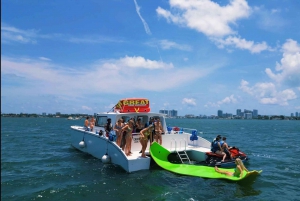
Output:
x=98 y=146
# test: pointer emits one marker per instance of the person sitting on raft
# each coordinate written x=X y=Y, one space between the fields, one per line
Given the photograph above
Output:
x=216 y=148
x=238 y=171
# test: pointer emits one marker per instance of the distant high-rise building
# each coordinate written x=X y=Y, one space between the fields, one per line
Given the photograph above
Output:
x=220 y=113
x=292 y=114
x=248 y=115
x=164 y=112
x=44 y=113
x=238 y=112
x=255 y=113
x=247 y=111
x=297 y=114
x=173 y=113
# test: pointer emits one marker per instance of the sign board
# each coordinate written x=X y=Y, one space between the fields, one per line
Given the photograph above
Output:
x=133 y=105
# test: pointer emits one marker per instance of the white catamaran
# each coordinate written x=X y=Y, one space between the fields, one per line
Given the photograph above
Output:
x=188 y=145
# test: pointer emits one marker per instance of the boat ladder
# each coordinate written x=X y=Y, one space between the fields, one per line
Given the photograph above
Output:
x=183 y=157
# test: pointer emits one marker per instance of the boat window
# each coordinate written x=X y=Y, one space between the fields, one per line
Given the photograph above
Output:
x=126 y=118
x=101 y=121
x=155 y=117
x=144 y=119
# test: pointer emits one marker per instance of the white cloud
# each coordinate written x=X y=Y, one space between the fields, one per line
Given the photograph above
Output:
x=206 y=16
x=288 y=70
x=147 y=29
x=267 y=93
x=240 y=43
x=189 y=101
x=141 y=62
x=166 y=45
x=270 y=19
x=11 y=34
x=213 y=20
x=44 y=59
x=106 y=76
x=227 y=100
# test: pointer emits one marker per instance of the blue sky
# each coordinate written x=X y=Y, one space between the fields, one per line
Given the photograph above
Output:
x=196 y=57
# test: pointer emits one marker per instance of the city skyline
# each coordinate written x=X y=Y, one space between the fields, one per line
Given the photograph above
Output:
x=240 y=54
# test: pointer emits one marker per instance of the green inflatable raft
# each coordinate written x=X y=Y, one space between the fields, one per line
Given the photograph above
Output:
x=160 y=156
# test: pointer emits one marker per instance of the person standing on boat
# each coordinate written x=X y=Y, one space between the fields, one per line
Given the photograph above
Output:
x=144 y=138
x=92 y=123
x=108 y=127
x=216 y=148
x=150 y=137
x=118 y=129
x=86 y=124
x=151 y=122
x=128 y=128
x=158 y=131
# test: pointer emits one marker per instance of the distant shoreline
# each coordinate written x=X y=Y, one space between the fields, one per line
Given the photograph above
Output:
x=82 y=117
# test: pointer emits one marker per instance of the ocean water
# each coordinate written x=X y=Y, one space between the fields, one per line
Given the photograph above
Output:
x=38 y=163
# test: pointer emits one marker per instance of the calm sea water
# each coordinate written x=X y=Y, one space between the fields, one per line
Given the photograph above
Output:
x=38 y=163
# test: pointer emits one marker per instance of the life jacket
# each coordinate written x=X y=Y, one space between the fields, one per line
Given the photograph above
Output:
x=215 y=147
x=221 y=143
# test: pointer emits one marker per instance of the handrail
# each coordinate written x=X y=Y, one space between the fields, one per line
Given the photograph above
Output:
x=178 y=130
x=184 y=143
x=175 y=144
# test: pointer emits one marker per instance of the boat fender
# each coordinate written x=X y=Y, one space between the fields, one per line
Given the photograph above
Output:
x=82 y=144
x=105 y=159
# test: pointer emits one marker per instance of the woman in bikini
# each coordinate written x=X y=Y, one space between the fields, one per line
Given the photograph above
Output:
x=144 y=138
x=158 y=131
x=118 y=129
x=128 y=128
x=238 y=171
